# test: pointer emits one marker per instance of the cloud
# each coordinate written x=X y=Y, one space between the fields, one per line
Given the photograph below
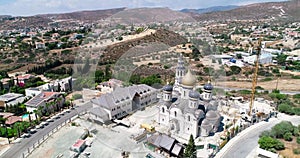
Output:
x=33 y=7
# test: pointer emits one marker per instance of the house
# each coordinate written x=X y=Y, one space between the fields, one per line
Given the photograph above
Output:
x=5 y=83
x=40 y=101
x=22 y=79
x=121 y=102
x=166 y=144
x=11 y=99
x=39 y=45
x=10 y=118
x=109 y=86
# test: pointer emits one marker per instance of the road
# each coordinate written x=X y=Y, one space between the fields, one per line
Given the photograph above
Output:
x=246 y=141
x=16 y=150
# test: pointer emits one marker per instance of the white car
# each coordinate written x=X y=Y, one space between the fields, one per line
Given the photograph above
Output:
x=39 y=126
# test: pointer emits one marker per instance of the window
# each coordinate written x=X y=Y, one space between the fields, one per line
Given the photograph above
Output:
x=175 y=113
x=189 y=118
x=184 y=93
x=163 y=109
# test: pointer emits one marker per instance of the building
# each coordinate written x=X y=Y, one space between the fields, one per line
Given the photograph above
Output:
x=22 y=79
x=40 y=45
x=187 y=112
x=9 y=99
x=109 y=86
x=39 y=101
x=63 y=85
x=121 y=102
x=166 y=144
x=265 y=58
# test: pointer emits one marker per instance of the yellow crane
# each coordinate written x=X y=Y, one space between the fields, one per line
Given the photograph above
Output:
x=254 y=78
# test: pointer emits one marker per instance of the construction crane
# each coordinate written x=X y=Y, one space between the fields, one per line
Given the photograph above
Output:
x=254 y=78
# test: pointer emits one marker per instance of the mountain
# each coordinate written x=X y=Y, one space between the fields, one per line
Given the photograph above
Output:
x=59 y=19
x=150 y=15
x=210 y=9
x=268 y=10
x=92 y=15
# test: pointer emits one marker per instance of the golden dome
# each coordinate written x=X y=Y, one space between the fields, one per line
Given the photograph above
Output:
x=189 y=79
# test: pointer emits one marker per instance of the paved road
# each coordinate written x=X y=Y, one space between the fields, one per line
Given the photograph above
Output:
x=246 y=142
x=16 y=150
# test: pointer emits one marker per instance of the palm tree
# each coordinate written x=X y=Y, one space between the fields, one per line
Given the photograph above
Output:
x=47 y=108
x=2 y=123
x=29 y=116
x=36 y=114
x=59 y=102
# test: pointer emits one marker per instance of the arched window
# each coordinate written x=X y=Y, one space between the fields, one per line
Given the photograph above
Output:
x=175 y=113
x=184 y=93
x=189 y=118
x=163 y=109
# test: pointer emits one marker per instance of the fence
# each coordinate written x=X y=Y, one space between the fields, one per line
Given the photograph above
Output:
x=45 y=137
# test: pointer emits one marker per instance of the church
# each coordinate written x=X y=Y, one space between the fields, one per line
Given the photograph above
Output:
x=183 y=110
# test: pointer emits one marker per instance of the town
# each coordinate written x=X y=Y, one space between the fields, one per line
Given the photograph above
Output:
x=151 y=82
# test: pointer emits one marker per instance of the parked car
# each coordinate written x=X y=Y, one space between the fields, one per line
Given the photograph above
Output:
x=25 y=135
x=32 y=131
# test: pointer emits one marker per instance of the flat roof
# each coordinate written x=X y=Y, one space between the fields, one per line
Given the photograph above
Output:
x=10 y=96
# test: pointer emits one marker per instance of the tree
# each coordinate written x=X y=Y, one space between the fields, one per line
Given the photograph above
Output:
x=288 y=136
x=235 y=69
x=36 y=113
x=282 y=128
x=269 y=143
x=190 y=150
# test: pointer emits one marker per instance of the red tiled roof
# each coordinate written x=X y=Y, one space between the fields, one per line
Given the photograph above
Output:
x=13 y=119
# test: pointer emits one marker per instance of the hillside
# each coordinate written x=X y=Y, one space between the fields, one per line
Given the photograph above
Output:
x=61 y=19
x=150 y=15
x=270 y=10
x=92 y=15
x=115 y=51
x=210 y=9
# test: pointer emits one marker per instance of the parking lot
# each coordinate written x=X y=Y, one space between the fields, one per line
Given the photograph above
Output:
x=59 y=143
x=107 y=141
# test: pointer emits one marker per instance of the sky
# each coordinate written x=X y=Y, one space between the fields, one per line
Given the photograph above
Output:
x=34 y=7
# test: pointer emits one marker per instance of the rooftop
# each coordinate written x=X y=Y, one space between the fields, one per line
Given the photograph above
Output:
x=10 y=96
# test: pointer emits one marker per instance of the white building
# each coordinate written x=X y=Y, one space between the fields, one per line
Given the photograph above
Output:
x=187 y=111
x=121 y=102
x=265 y=58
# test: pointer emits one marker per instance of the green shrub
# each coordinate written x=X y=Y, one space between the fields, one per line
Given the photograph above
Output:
x=288 y=136
x=267 y=79
x=295 y=77
x=268 y=143
x=77 y=96
x=282 y=128
x=235 y=69
x=296 y=151
x=296 y=96
x=298 y=140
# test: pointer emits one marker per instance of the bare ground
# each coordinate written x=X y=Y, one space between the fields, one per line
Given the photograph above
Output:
x=283 y=84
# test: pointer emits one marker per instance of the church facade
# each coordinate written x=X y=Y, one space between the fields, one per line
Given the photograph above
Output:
x=184 y=110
